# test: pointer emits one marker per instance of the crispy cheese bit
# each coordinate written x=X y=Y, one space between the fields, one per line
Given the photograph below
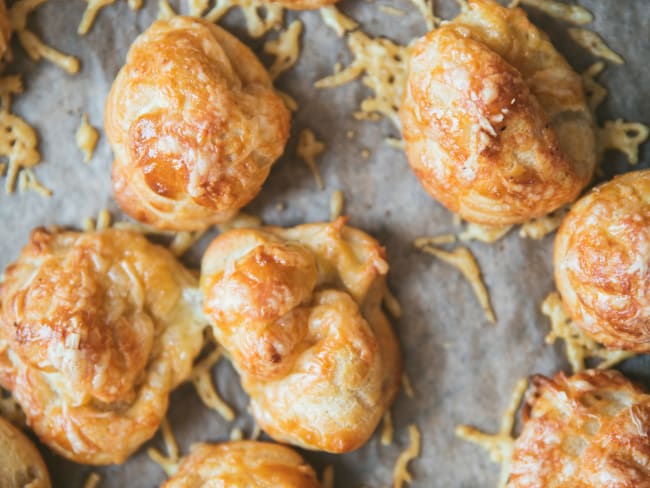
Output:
x=86 y=137
x=392 y=304
x=256 y=432
x=288 y=100
x=201 y=378
x=328 y=477
x=387 y=429
x=384 y=66
x=165 y=11
x=426 y=8
x=103 y=220
x=197 y=7
x=337 y=21
x=387 y=9
x=407 y=387
x=483 y=233
x=595 y=44
x=92 y=481
x=286 y=49
x=308 y=150
x=337 y=202
x=168 y=463
x=543 y=226
x=462 y=259
x=183 y=241
x=10 y=410
x=401 y=473
x=439 y=240
x=135 y=4
x=88 y=224
x=257 y=23
x=18 y=143
x=240 y=221
x=9 y=85
x=594 y=91
x=236 y=434
x=394 y=142
x=625 y=137
x=570 y=13
x=579 y=345
x=90 y=14
x=27 y=181
x=500 y=445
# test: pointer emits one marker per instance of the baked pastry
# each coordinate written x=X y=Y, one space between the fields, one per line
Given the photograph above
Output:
x=5 y=28
x=299 y=312
x=495 y=120
x=195 y=125
x=602 y=262
x=244 y=464
x=590 y=430
x=95 y=330
x=304 y=4
x=21 y=465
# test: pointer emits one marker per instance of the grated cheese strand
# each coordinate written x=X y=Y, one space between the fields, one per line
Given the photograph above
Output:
x=595 y=44
x=483 y=233
x=387 y=9
x=578 y=345
x=407 y=387
x=256 y=23
x=570 y=13
x=86 y=138
x=236 y=434
x=308 y=149
x=426 y=8
x=288 y=100
x=328 y=477
x=499 y=445
x=541 y=227
x=392 y=304
x=92 y=481
x=169 y=463
x=165 y=11
x=462 y=259
x=387 y=429
x=198 y=7
x=337 y=203
x=438 y=240
x=337 y=21
x=90 y=14
x=401 y=473
x=27 y=181
x=183 y=241
x=286 y=49
x=625 y=137
x=594 y=91
x=240 y=221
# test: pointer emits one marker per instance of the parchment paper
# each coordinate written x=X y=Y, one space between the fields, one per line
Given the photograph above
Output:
x=462 y=368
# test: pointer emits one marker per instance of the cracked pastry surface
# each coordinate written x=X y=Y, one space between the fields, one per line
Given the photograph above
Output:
x=95 y=330
x=195 y=125
x=21 y=465
x=245 y=464
x=299 y=311
x=494 y=119
x=586 y=431
x=602 y=262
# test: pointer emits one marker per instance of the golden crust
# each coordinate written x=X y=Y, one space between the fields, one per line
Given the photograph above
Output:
x=495 y=121
x=587 y=431
x=195 y=125
x=5 y=28
x=299 y=312
x=602 y=262
x=304 y=4
x=21 y=465
x=95 y=330
x=244 y=464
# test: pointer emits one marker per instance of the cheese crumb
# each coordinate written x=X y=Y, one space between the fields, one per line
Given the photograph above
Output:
x=500 y=445
x=169 y=463
x=570 y=13
x=625 y=137
x=595 y=44
x=236 y=434
x=337 y=21
x=286 y=49
x=260 y=16
x=401 y=473
x=579 y=345
x=308 y=150
x=86 y=138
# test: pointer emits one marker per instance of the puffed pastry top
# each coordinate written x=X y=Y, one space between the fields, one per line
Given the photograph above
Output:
x=95 y=330
x=495 y=120
x=299 y=311
x=243 y=464
x=194 y=123
x=21 y=465
x=5 y=28
x=590 y=430
x=602 y=262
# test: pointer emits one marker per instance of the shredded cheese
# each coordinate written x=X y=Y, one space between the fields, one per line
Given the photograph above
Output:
x=197 y=7
x=383 y=65
x=27 y=181
x=89 y=224
x=595 y=44
x=388 y=9
x=183 y=241
x=579 y=345
x=201 y=378
x=288 y=100
x=625 y=137
x=387 y=429
x=240 y=221
x=286 y=49
x=308 y=149
x=570 y=13
x=236 y=434
x=483 y=233
x=401 y=473
x=462 y=259
x=595 y=92
x=337 y=203
x=407 y=387
x=438 y=240
x=86 y=138
x=169 y=463
x=257 y=23
x=426 y=9
x=499 y=445
x=328 y=477
x=255 y=434
x=392 y=304
x=543 y=226
x=92 y=481
x=337 y=21
x=90 y=14
x=165 y=11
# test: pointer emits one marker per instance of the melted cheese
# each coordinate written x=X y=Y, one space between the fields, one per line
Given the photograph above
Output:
x=543 y=226
x=286 y=49
x=401 y=473
x=569 y=13
x=595 y=92
x=308 y=149
x=625 y=137
x=337 y=21
x=260 y=16
x=483 y=233
x=578 y=345
x=595 y=44
x=86 y=138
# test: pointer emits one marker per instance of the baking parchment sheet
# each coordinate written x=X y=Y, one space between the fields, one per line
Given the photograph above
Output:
x=462 y=368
